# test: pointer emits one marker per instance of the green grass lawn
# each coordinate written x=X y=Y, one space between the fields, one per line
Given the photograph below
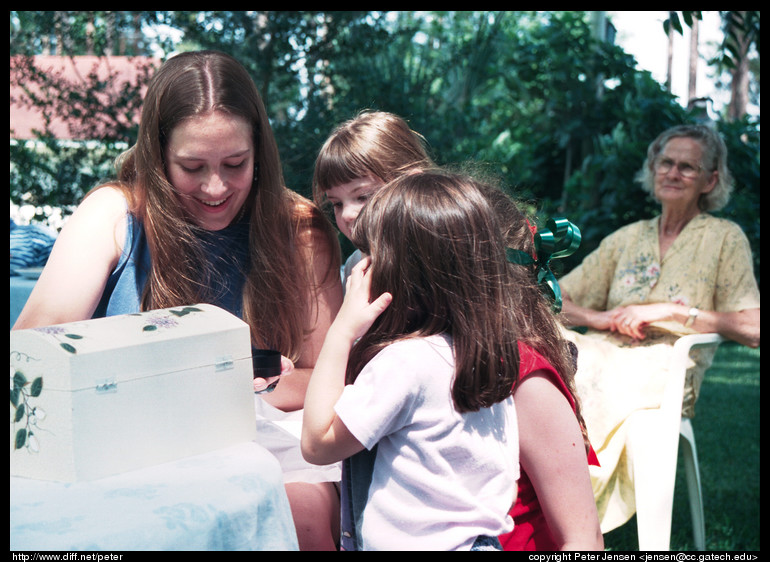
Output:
x=726 y=426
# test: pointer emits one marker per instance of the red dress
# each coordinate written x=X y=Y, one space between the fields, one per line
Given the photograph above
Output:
x=530 y=530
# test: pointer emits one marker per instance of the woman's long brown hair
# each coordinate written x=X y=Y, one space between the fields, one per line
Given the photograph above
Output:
x=283 y=225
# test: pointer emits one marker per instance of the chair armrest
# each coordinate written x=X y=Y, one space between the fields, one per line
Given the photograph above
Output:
x=672 y=398
x=684 y=343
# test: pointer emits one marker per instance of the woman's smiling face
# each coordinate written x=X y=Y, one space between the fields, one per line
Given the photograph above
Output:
x=210 y=163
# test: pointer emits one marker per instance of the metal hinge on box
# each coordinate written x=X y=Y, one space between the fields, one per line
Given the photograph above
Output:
x=106 y=385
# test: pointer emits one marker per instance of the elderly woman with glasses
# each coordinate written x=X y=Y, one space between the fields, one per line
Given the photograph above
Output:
x=649 y=283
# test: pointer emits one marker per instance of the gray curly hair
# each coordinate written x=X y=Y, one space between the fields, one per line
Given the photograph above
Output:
x=714 y=159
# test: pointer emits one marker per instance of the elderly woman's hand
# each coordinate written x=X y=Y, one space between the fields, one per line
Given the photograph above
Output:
x=632 y=320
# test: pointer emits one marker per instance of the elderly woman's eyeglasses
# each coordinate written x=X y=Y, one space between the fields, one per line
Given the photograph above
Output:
x=686 y=170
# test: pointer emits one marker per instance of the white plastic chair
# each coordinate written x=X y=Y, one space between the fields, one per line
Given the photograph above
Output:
x=653 y=446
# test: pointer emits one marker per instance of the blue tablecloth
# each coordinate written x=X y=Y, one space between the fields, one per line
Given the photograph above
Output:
x=231 y=499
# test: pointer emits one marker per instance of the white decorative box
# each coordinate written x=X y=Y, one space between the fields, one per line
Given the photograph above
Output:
x=101 y=397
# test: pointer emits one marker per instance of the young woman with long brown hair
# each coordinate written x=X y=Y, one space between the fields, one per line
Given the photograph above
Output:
x=200 y=213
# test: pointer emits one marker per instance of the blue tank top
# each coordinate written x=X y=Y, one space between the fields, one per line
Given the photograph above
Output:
x=226 y=251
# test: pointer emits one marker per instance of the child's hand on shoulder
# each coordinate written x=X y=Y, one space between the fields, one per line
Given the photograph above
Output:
x=358 y=312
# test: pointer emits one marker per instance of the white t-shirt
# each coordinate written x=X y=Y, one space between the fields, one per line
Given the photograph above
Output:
x=441 y=478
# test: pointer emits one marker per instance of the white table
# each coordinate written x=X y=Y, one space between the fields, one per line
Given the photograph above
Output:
x=231 y=499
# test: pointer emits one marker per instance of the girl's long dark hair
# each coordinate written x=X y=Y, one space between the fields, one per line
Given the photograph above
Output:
x=438 y=242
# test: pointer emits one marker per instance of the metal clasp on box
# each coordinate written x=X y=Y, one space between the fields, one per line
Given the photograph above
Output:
x=224 y=363
x=106 y=385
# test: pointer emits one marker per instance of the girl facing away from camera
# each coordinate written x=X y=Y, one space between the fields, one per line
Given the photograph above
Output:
x=555 y=508
x=425 y=386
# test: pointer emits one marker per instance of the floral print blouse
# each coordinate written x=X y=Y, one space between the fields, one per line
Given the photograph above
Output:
x=708 y=266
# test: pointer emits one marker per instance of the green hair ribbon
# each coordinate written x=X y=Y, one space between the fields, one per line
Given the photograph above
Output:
x=559 y=239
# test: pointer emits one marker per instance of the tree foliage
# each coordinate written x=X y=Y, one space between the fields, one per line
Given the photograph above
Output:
x=561 y=116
